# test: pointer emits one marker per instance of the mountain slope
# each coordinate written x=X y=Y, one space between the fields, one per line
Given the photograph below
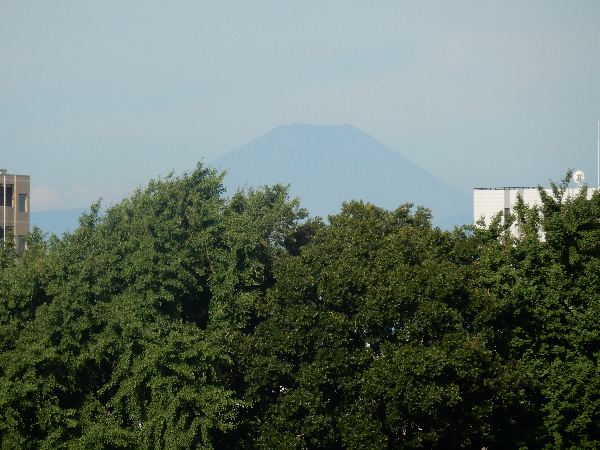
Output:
x=327 y=165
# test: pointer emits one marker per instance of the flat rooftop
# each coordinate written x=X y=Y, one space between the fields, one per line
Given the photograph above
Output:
x=510 y=188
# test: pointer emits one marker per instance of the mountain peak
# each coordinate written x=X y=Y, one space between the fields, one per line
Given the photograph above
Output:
x=329 y=164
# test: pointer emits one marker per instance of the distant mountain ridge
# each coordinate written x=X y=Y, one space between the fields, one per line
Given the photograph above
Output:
x=327 y=165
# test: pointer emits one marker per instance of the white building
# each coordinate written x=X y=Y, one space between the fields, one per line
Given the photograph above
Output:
x=488 y=202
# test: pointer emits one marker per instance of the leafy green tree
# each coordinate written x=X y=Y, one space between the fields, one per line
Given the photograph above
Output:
x=23 y=280
x=547 y=279
x=183 y=319
x=122 y=337
x=375 y=336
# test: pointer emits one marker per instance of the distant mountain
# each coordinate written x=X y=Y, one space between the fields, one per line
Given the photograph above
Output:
x=57 y=221
x=327 y=165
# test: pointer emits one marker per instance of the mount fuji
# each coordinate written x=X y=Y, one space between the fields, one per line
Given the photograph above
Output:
x=327 y=165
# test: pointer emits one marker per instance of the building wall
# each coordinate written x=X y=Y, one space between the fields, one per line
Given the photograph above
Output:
x=488 y=202
x=11 y=216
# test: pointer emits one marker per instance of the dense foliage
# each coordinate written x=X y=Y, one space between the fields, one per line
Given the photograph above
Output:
x=548 y=282
x=117 y=335
x=184 y=319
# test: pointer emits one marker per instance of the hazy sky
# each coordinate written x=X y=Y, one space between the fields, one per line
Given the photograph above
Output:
x=98 y=97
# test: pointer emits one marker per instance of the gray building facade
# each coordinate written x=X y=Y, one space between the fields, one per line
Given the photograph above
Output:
x=14 y=207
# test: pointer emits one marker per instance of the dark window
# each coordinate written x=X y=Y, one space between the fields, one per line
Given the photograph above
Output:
x=22 y=202
x=8 y=230
x=9 y=195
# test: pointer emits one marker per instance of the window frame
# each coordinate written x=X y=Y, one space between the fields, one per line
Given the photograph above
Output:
x=10 y=192
x=24 y=204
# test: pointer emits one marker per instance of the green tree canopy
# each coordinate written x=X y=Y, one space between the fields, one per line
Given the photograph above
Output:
x=374 y=336
x=117 y=336
x=547 y=280
x=181 y=318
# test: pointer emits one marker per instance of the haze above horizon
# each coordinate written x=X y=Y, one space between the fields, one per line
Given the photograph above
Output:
x=97 y=98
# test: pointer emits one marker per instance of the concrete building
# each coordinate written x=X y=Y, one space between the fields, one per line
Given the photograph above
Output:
x=488 y=202
x=14 y=207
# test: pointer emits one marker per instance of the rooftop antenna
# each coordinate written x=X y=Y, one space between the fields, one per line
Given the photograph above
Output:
x=578 y=178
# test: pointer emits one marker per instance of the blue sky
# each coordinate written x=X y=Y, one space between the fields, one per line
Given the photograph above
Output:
x=98 y=97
